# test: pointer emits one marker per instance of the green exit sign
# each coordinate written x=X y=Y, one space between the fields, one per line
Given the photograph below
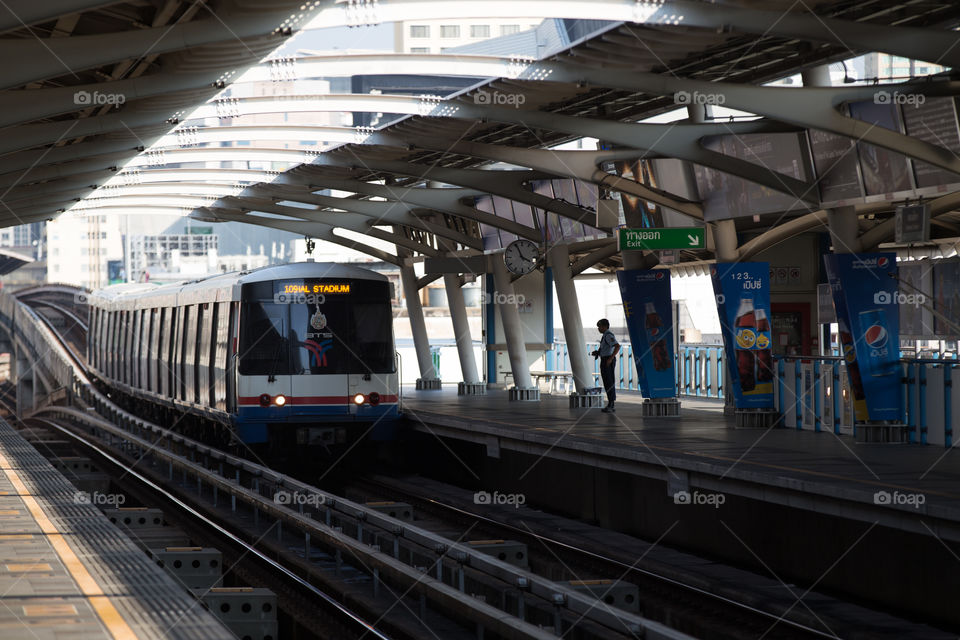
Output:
x=662 y=238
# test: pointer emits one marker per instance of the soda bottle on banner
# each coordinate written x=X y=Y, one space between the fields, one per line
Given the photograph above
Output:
x=853 y=373
x=873 y=328
x=658 y=348
x=764 y=348
x=745 y=332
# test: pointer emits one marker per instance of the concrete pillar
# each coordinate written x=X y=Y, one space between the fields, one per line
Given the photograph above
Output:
x=570 y=317
x=725 y=240
x=513 y=332
x=725 y=250
x=471 y=384
x=844 y=229
x=428 y=376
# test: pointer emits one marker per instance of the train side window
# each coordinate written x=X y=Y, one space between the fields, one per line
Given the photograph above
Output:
x=143 y=363
x=186 y=353
x=210 y=355
x=198 y=341
x=96 y=347
x=112 y=353
x=92 y=333
x=124 y=345
x=176 y=384
x=135 y=329
x=165 y=368
x=154 y=353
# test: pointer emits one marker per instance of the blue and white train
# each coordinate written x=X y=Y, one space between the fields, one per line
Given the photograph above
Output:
x=294 y=354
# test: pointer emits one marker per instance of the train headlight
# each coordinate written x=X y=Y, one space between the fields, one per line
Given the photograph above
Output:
x=359 y=399
x=264 y=399
x=374 y=398
x=280 y=400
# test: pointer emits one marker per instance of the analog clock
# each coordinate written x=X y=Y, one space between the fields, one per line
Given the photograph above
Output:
x=521 y=256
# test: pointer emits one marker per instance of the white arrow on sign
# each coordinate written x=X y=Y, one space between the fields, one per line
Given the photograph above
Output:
x=693 y=240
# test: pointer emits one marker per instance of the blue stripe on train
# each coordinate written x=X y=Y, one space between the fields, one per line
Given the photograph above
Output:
x=250 y=423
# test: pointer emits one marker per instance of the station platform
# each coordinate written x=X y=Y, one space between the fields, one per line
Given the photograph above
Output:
x=67 y=572
x=895 y=485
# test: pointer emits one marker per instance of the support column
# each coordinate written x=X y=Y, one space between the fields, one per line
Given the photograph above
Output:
x=471 y=385
x=725 y=240
x=844 y=228
x=513 y=333
x=428 y=376
x=573 y=329
x=725 y=249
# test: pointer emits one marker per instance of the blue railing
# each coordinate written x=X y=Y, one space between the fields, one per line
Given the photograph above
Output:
x=812 y=394
x=700 y=368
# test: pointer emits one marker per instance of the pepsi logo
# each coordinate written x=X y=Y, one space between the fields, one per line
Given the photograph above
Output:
x=713 y=271
x=882 y=262
x=654 y=331
x=875 y=336
x=659 y=275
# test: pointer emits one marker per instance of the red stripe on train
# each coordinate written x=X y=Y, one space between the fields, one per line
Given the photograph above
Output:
x=249 y=400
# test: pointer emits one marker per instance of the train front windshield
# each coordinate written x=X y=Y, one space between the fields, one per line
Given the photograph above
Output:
x=316 y=327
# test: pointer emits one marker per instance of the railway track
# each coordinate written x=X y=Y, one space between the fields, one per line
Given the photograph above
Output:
x=671 y=599
x=410 y=582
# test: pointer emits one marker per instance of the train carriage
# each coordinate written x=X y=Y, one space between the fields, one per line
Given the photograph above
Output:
x=299 y=353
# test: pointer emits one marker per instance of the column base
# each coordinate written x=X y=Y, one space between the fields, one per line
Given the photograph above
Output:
x=881 y=433
x=428 y=384
x=524 y=395
x=660 y=407
x=471 y=389
x=586 y=400
x=757 y=418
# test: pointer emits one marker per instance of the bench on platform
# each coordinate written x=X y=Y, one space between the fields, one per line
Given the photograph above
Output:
x=554 y=379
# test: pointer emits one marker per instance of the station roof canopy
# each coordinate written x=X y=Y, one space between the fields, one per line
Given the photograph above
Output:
x=101 y=82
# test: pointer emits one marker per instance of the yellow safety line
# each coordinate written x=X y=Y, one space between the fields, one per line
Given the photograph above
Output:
x=89 y=587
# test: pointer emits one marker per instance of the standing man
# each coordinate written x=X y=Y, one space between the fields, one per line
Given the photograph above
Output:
x=609 y=348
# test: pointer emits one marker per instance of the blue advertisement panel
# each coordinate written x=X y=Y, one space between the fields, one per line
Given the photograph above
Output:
x=649 y=312
x=742 y=290
x=864 y=288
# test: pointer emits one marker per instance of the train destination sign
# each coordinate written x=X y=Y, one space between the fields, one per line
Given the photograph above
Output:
x=662 y=238
x=299 y=286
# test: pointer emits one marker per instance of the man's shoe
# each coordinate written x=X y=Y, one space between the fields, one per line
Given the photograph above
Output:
x=608 y=409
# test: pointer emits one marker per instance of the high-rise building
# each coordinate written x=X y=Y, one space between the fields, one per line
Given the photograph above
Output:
x=84 y=249
x=884 y=66
x=436 y=36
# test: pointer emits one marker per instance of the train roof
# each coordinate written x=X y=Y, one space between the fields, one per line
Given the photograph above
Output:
x=223 y=286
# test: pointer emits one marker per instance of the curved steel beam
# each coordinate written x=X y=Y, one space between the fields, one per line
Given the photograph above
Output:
x=443 y=200
x=395 y=212
x=243 y=25
x=807 y=107
x=582 y=165
x=316 y=230
x=347 y=220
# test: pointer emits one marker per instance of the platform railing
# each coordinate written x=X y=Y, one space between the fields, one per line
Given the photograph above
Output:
x=812 y=393
x=699 y=368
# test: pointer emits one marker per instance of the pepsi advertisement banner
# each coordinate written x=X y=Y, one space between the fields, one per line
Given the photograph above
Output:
x=864 y=288
x=742 y=290
x=649 y=311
